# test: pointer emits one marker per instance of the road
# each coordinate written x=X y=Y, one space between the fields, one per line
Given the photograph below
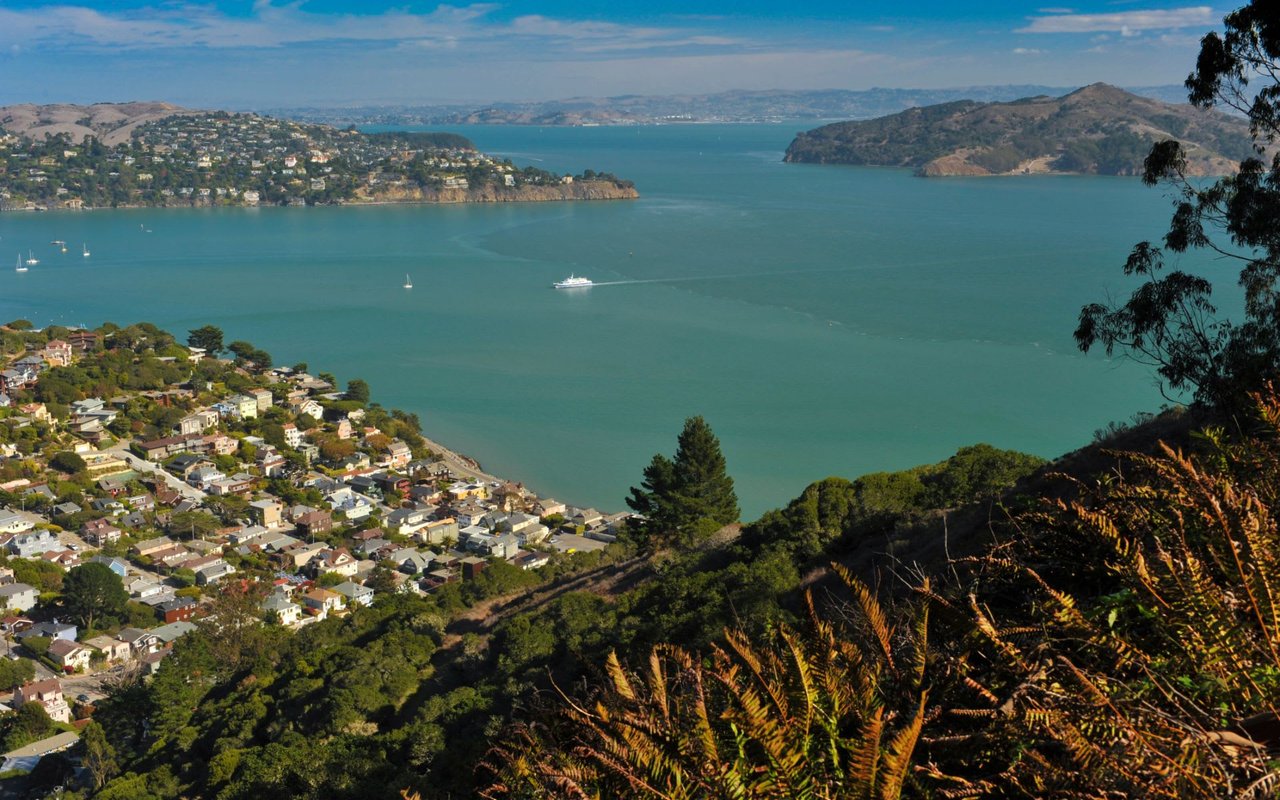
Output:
x=142 y=465
x=460 y=465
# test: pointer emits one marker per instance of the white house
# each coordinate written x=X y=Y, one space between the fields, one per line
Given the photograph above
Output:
x=284 y=609
x=18 y=597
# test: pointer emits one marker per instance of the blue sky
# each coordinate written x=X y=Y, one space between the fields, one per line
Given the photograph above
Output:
x=275 y=53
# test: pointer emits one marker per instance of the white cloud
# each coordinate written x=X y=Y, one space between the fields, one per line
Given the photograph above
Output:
x=169 y=26
x=1027 y=51
x=1126 y=23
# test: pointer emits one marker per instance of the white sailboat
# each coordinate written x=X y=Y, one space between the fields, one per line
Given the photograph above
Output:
x=19 y=267
x=31 y=258
x=408 y=284
x=86 y=250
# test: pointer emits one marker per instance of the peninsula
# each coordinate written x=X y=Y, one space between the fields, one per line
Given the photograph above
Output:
x=160 y=155
x=1100 y=130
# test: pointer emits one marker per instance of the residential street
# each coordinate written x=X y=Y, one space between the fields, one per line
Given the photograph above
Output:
x=142 y=465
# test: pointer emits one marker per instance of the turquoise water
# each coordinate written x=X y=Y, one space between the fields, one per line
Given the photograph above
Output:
x=825 y=320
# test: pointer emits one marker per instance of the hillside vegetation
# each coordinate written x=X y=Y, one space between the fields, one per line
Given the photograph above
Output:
x=1098 y=130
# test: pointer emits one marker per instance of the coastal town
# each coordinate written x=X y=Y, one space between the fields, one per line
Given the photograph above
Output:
x=146 y=481
x=191 y=158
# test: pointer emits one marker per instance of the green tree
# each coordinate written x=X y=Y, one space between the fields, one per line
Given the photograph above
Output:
x=703 y=488
x=37 y=645
x=650 y=498
x=92 y=593
x=689 y=496
x=1170 y=321
x=68 y=462
x=976 y=473
x=208 y=337
x=247 y=353
x=358 y=391
x=15 y=672
x=193 y=524
x=99 y=755
x=28 y=724
x=381 y=580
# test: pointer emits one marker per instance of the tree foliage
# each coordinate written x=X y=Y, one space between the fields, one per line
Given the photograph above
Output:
x=92 y=594
x=99 y=755
x=208 y=337
x=1170 y=320
x=15 y=672
x=689 y=496
x=68 y=462
x=357 y=391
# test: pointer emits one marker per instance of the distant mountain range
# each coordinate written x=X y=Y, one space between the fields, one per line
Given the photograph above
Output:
x=732 y=106
x=1099 y=129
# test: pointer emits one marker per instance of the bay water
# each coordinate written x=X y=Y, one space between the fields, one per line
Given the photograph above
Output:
x=825 y=320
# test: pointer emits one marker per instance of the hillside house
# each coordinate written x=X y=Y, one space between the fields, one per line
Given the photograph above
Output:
x=338 y=561
x=34 y=544
x=100 y=532
x=48 y=694
x=286 y=611
x=71 y=656
x=267 y=513
x=322 y=602
x=113 y=650
x=18 y=597
x=13 y=522
x=355 y=594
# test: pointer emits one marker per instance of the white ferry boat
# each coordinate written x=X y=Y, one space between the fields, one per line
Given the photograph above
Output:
x=573 y=282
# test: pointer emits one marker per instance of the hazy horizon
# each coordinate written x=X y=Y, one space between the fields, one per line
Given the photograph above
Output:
x=328 y=53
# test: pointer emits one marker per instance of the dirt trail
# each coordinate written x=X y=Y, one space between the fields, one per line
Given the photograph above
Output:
x=484 y=616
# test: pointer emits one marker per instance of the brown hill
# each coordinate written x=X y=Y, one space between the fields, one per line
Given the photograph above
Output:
x=111 y=123
x=1098 y=130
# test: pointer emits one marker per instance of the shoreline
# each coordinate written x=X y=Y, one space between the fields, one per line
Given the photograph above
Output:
x=550 y=194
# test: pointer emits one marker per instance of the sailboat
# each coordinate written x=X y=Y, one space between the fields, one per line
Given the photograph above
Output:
x=19 y=267
x=31 y=258
x=86 y=250
x=408 y=284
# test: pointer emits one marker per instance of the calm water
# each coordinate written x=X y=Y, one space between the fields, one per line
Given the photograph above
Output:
x=825 y=320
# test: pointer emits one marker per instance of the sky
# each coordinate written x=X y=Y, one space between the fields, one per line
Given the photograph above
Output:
x=255 y=54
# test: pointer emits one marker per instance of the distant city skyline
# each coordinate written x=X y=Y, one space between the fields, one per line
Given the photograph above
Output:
x=270 y=53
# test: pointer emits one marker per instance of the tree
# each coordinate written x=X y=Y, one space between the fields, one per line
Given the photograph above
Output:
x=15 y=672
x=1170 y=321
x=99 y=755
x=195 y=524
x=92 y=592
x=689 y=495
x=246 y=353
x=382 y=580
x=703 y=487
x=28 y=724
x=68 y=462
x=208 y=338
x=358 y=391
x=648 y=500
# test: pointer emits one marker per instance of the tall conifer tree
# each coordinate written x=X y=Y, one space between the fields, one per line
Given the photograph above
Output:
x=682 y=498
x=703 y=488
